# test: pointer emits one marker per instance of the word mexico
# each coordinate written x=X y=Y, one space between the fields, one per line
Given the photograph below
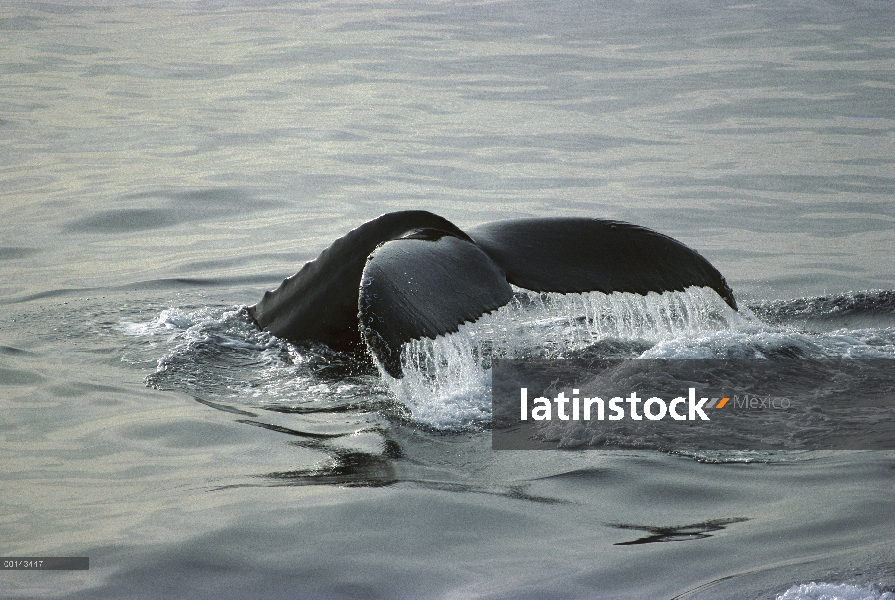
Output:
x=654 y=408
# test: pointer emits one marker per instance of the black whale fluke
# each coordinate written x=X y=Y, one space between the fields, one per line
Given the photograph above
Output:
x=412 y=274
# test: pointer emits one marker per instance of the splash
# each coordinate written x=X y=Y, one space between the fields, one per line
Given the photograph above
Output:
x=833 y=591
x=219 y=355
x=447 y=380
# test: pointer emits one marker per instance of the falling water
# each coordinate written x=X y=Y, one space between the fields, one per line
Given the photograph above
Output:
x=447 y=380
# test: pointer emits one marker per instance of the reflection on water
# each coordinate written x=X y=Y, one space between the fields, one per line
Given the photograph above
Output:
x=696 y=531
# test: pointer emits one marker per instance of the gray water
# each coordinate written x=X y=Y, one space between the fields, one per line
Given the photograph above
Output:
x=163 y=164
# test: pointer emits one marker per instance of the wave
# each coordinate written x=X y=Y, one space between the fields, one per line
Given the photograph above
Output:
x=873 y=307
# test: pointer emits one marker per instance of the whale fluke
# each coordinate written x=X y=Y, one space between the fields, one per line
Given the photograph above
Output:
x=413 y=274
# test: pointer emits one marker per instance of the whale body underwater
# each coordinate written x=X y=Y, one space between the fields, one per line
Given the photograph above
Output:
x=412 y=274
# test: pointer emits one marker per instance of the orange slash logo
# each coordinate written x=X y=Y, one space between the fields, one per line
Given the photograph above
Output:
x=717 y=402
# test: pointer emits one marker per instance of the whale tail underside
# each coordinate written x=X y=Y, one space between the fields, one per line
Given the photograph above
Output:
x=428 y=283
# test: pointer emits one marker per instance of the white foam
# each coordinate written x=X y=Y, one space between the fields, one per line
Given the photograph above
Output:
x=174 y=318
x=221 y=327
x=833 y=591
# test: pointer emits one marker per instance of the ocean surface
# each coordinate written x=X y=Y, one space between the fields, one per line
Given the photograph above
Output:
x=163 y=164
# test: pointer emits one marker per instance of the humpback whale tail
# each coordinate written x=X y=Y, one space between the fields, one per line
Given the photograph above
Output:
x=412 y=274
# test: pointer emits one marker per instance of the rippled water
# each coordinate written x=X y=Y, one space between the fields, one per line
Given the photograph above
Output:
x=161 y=165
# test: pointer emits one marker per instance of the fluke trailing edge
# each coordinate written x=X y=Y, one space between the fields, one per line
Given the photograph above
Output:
x=412 y=274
